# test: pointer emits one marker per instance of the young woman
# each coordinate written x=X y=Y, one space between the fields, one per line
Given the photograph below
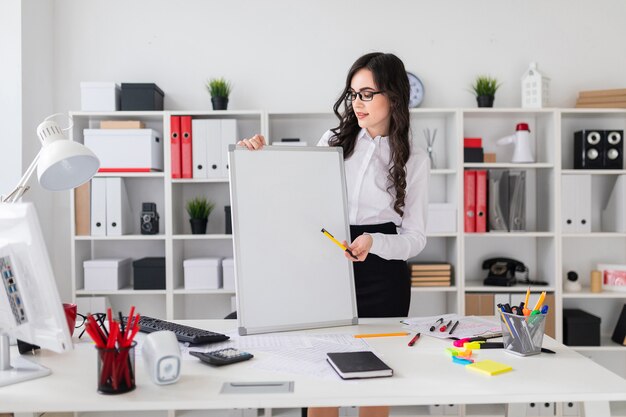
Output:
x=387 y=182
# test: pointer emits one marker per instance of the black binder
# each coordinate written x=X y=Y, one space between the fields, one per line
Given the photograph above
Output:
x=619 y=334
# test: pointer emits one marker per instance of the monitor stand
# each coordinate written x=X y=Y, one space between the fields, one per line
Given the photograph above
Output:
x=17 y=369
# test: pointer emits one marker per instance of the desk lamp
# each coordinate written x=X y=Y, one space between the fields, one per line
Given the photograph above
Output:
x=61 y=164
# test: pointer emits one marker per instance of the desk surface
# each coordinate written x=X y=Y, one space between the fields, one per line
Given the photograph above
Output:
x=424 y=374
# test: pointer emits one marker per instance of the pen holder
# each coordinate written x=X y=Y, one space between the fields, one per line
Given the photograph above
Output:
x=116 y=369
x=522 y=335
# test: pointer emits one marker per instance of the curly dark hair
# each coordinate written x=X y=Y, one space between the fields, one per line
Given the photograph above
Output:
x=390 y=77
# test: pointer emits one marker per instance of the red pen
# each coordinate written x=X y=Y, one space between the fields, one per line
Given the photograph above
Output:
x=445 y=326
x=412 y=342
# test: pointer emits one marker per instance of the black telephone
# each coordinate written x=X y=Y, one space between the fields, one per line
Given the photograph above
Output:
x=503 y=272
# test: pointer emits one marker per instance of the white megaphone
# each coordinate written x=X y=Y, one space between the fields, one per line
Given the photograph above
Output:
x=521 y=139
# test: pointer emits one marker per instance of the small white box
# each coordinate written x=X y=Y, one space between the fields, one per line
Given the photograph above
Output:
x=126 y=150
x=441 y=218
x=203 y=273
x=228 y=272
x=107 y=274
x=99 y=96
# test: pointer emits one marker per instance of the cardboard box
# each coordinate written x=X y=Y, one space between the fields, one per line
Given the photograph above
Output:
x=441 y=218
x=203 y=273
x=107 y=274
x=228 y=274
x=99 y=96
x=126 y=150
x=122 y=124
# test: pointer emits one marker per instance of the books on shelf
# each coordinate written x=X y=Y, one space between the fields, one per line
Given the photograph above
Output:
x=615 y=98
x=430 y=274
x=360 y=364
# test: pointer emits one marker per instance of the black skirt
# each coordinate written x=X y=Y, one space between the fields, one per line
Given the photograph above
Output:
x=383 y=287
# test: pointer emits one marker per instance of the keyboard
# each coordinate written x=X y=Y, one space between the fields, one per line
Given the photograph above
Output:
x=183 y=333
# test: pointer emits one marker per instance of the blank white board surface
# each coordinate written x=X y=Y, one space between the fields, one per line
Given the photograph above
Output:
x=289 y=275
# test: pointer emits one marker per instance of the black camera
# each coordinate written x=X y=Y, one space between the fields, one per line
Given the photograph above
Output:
x=149 y=219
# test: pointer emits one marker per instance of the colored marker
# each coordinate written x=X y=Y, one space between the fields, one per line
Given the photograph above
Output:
x=338 y=243
x=445 y=326
x=412 y=342
x=434 y=326
x=453 y=327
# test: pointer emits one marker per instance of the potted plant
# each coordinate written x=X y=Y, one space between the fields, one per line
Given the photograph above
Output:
x=199 y=209
x=219 y=89
x=485 y=88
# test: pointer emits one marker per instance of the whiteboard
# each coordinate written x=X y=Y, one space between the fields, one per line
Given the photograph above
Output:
x=288 y=274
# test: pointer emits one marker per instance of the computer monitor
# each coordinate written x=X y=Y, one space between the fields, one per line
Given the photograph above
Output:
x=30 y=306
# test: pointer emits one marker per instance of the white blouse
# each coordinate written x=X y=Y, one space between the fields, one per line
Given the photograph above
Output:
x=370 y=201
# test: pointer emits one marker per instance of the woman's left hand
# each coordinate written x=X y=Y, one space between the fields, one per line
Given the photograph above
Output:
x=360 y=248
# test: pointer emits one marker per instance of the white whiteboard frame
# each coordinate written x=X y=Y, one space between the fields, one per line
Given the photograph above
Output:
x=339 y=308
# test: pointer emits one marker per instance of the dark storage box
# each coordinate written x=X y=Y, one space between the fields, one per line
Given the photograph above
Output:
x=580 y=328
x=229 y=223
x=149 y=274
x=141 y=97
x=470 y=154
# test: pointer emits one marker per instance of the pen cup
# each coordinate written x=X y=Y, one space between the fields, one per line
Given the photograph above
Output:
x=523 y=335
x=116 y=369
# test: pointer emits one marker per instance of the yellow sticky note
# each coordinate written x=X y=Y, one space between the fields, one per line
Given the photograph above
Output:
x=489 y=367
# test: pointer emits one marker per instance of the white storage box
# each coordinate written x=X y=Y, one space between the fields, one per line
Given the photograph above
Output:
x=441 y=218
x=99 y=96
x=203 y=273
x=126 y=150
x=107 y=274
x=228 y=272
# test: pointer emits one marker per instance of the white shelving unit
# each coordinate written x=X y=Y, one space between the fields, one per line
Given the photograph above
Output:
x=543 y=247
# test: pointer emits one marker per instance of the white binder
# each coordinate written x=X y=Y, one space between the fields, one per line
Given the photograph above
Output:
x=199 y=147
x=228 y=137
x=568 y=204
x=583 y=203
x=614 y=214
x=214 y=150
x=98 y=207
x=118 y=212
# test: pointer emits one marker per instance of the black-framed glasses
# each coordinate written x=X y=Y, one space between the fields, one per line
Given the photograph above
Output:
x=366 y=95
x=99 y=317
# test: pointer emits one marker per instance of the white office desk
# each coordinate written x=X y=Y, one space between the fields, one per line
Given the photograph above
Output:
x=424 y=374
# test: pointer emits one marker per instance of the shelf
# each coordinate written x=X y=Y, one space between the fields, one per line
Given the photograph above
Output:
x=433 y=289
x=121 y=114
x=586 y=293
x=602 y=235
x=593 y=171
x=123 y=291
x=492 y=235
x=442 y=171
x=509 y=165
x=451 y=234
x=200 y=113
x=606 y=345
x=131 y=174
x=202 y=237
x=219 y=291
x=474 y=286
x=123 y=237
x=199 y=180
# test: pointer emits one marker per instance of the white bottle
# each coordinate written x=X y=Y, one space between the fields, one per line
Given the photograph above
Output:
x=521 y=140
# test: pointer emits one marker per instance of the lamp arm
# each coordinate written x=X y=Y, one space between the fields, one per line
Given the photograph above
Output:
x=21 y=187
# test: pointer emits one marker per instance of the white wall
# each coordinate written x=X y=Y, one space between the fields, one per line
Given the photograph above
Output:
x=286 y=55
x=10 y=95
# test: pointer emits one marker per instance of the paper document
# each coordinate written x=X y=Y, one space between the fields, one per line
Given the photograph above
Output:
x=469 y=326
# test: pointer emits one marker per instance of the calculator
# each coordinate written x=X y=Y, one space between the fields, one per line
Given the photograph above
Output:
x=222 y=356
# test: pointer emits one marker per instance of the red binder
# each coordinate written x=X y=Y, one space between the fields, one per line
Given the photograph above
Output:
x=186 y=156
x=175 y=146
x=481 y=201
x=469 y=201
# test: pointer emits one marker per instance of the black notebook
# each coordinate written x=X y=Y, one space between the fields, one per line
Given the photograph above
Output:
x=362 y=364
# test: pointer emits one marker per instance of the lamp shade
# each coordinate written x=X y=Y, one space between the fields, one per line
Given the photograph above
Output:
x=64 y=165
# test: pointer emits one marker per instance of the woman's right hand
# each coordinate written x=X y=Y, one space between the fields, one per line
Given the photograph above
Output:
x=255 y=142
